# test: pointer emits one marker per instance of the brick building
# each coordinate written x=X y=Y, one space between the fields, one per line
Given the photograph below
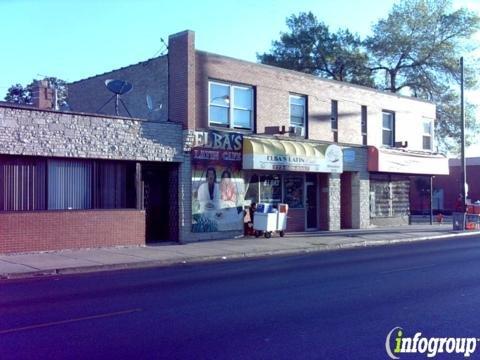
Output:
x=71 y=180
x=340 y=155
x=446 y=188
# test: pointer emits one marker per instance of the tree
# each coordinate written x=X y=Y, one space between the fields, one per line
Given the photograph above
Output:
x=417 y=48
x=310 y=47
x=419 y=44
x=18 y=94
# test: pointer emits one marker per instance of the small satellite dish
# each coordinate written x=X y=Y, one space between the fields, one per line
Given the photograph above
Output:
x=149 y=103
x=119 y=87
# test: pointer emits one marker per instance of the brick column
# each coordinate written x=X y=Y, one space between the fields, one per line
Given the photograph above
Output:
x=360 y=200
x=181 y=78
x=185 y=199
x=333 y=202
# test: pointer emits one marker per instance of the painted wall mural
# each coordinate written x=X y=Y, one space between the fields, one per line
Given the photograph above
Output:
x=218 y=187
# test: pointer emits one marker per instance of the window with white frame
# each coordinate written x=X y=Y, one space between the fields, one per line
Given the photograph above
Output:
x=298 y=112
x=388 y=124
x=427 y=134
x=230 y=105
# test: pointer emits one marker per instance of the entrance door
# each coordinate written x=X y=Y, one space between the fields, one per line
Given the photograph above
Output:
x=156 y=202
x=311 y=205
x=346 y=200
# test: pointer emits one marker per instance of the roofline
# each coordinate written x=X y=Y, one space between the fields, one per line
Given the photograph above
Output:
x=32 y=108
x=314 y=77
x=121 y=68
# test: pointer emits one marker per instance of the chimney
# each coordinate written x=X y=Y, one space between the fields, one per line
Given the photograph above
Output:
x=181 y=78
x=43 y=96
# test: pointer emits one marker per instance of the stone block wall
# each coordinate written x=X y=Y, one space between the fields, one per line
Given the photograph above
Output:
x=334 y=202
x=355 y=160
x=77 y=135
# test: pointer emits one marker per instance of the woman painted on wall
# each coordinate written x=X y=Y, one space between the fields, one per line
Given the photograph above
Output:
x=208 y=192
x=228 y=190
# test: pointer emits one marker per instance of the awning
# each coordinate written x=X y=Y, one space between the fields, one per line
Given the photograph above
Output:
x=274 y=154
x=406 y=162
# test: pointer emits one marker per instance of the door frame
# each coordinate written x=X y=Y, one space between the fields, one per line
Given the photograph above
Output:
x=317 y=201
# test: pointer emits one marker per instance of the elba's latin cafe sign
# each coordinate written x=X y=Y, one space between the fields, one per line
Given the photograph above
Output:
x=216 y=146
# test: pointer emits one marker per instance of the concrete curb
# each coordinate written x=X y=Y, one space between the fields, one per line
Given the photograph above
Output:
x=226 y=257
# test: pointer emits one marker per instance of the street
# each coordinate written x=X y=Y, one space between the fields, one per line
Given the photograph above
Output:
x=327 y=305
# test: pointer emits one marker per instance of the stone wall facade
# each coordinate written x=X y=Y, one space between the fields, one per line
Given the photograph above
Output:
x=76 y=135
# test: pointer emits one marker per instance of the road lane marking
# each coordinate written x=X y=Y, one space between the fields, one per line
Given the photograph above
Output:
x=68 y=321
x=407 y=269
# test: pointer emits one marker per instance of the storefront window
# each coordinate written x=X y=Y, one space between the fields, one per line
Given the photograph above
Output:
x=271 y=189
x=389 y=196
x=294 y=191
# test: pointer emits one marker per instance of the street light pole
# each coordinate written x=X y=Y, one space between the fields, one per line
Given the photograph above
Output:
x=462 y=122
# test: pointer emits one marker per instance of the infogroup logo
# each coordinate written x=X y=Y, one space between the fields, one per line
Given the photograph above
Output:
x=397 y=343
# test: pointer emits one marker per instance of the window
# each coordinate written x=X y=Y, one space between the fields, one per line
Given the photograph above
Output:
x=69 y=184
x=294 y=191
x=298 y=113
x=230 y=106
x=334 y=119
x=27 y=184
x=388 y=129
x=427 y=135
x=364 y=125
x=22 y=184
x=271 y=189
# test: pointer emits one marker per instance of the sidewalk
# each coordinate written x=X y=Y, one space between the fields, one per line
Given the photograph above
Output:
x=114 y=258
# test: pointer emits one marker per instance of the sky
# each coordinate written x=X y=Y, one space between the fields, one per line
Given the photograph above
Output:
x=75 y=39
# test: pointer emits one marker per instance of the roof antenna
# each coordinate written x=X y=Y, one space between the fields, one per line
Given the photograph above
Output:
x=118 y=88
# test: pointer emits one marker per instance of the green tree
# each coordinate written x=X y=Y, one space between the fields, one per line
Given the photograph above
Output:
x=416 y=49
x=310 y=47
x=18 y=94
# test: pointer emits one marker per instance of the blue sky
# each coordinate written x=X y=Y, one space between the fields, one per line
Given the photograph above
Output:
x=76 y=39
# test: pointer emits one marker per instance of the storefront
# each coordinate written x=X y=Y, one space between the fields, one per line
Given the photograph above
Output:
x=230 y=172
x=390 y=172
x=291 y=172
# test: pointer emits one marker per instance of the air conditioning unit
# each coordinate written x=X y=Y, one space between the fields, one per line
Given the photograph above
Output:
x=297 y=131
x=401 y=144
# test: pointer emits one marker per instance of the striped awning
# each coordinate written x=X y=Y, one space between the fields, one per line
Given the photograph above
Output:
x=303 y=156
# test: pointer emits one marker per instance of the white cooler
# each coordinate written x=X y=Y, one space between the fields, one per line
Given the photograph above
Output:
x=265 y=221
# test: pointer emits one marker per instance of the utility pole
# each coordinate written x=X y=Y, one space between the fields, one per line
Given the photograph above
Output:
x=462 y=121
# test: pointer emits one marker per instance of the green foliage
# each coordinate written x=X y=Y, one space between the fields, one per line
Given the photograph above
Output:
x=310 y=47
x=419 y=44
x=414 y=50
x=18 y=94
x=417 y=48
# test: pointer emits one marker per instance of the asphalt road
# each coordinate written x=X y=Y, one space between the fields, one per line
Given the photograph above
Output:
x=329 y=305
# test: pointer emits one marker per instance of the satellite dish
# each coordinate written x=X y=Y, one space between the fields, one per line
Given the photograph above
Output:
x=150 y=105
x=118 y=87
